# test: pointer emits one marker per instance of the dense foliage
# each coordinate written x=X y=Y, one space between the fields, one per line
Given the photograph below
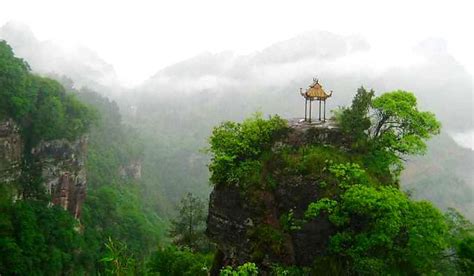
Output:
x=173 y=261
x=238 y=147
x=387 y=128
x=40 y=105
x=37 y=239
x=116 y=225
x=382 y=230
x=187 y=229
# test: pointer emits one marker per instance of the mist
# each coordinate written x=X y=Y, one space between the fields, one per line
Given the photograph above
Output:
x=180 y=103
x=158 y=79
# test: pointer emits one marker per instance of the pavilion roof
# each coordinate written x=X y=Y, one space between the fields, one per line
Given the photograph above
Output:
x=316 y=91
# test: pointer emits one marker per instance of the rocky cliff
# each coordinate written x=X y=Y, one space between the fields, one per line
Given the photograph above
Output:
x=61 y=163
x=249 y=226
x=11 y=151
x=63 y=172
x=132 y=170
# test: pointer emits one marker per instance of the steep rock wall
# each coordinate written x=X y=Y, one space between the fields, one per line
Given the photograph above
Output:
x=61 y=163
x=11 y=151
x=63 y=171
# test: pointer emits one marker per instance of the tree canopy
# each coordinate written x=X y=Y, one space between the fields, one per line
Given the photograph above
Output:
x=41 y=106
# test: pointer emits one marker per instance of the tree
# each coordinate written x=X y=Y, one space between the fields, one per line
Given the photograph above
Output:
x=386 y=129
x=399 y=127
x=381 y=230
x=461 y=239
x=355 y=121
x=14 y=80
x=188 y=229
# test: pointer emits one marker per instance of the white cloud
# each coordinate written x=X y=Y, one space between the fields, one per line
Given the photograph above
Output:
x=140 y=37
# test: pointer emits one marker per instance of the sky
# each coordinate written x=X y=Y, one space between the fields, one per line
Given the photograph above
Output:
x=140 y=37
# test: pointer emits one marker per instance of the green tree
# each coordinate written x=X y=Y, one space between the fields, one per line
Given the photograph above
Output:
x=188 y=228
x=41 y=106
x=461 y=239
x=355 y=121
x=15 y=99
x=380 y=230
x=399 y=127
x=387 y=128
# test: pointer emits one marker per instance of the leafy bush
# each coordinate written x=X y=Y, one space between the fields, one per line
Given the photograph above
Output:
x=174 y=261
x=247 y=269
x=237 y=147
x=381 y=230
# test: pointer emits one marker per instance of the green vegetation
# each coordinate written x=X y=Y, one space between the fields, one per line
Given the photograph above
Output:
x=117 y=231
x=40 y=105
x=238 y=147
x=36 y=238
x=379 y=229
x=187 y=230
x=387 y=128
x=247 y=269
x=122 y=231
x=173 y=261
x=114 y=210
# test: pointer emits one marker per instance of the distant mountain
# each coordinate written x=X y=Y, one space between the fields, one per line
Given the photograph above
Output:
x=80 y=64
x=343 y=63
x=445 y=175
x=179 y=105
x=176 y=109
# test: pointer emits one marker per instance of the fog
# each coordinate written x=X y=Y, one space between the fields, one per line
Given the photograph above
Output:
x=175 y=108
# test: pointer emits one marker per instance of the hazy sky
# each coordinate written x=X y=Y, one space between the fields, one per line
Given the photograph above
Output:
x=140 y=37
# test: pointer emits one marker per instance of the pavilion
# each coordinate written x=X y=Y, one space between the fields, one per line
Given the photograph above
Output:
x=314 y=92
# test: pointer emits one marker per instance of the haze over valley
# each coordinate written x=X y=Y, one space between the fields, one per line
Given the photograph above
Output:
x=183 y=150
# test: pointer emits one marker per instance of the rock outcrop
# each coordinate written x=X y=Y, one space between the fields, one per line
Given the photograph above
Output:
x=247 y=226
x=63 y=172
x=132 y=170
x=61 y=162
x=11 y=151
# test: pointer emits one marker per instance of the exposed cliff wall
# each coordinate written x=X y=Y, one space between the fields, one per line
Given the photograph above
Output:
x=63 y=172
x=247 y=226
x=132 y=170
x=11 y=151
x=61 y=163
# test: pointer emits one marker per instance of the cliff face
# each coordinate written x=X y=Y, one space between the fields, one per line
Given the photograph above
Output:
x=63 y=171
x=132 y=170
x=11 y=151
x=61 y=163
x=248 y=226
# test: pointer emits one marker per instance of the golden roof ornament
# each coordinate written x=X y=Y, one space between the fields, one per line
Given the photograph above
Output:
x=315 y=92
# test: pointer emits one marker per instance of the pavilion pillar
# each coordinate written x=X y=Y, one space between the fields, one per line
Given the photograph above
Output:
x=319 y=110
x=324 y=110
x=310 y=101
x=305 y=108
